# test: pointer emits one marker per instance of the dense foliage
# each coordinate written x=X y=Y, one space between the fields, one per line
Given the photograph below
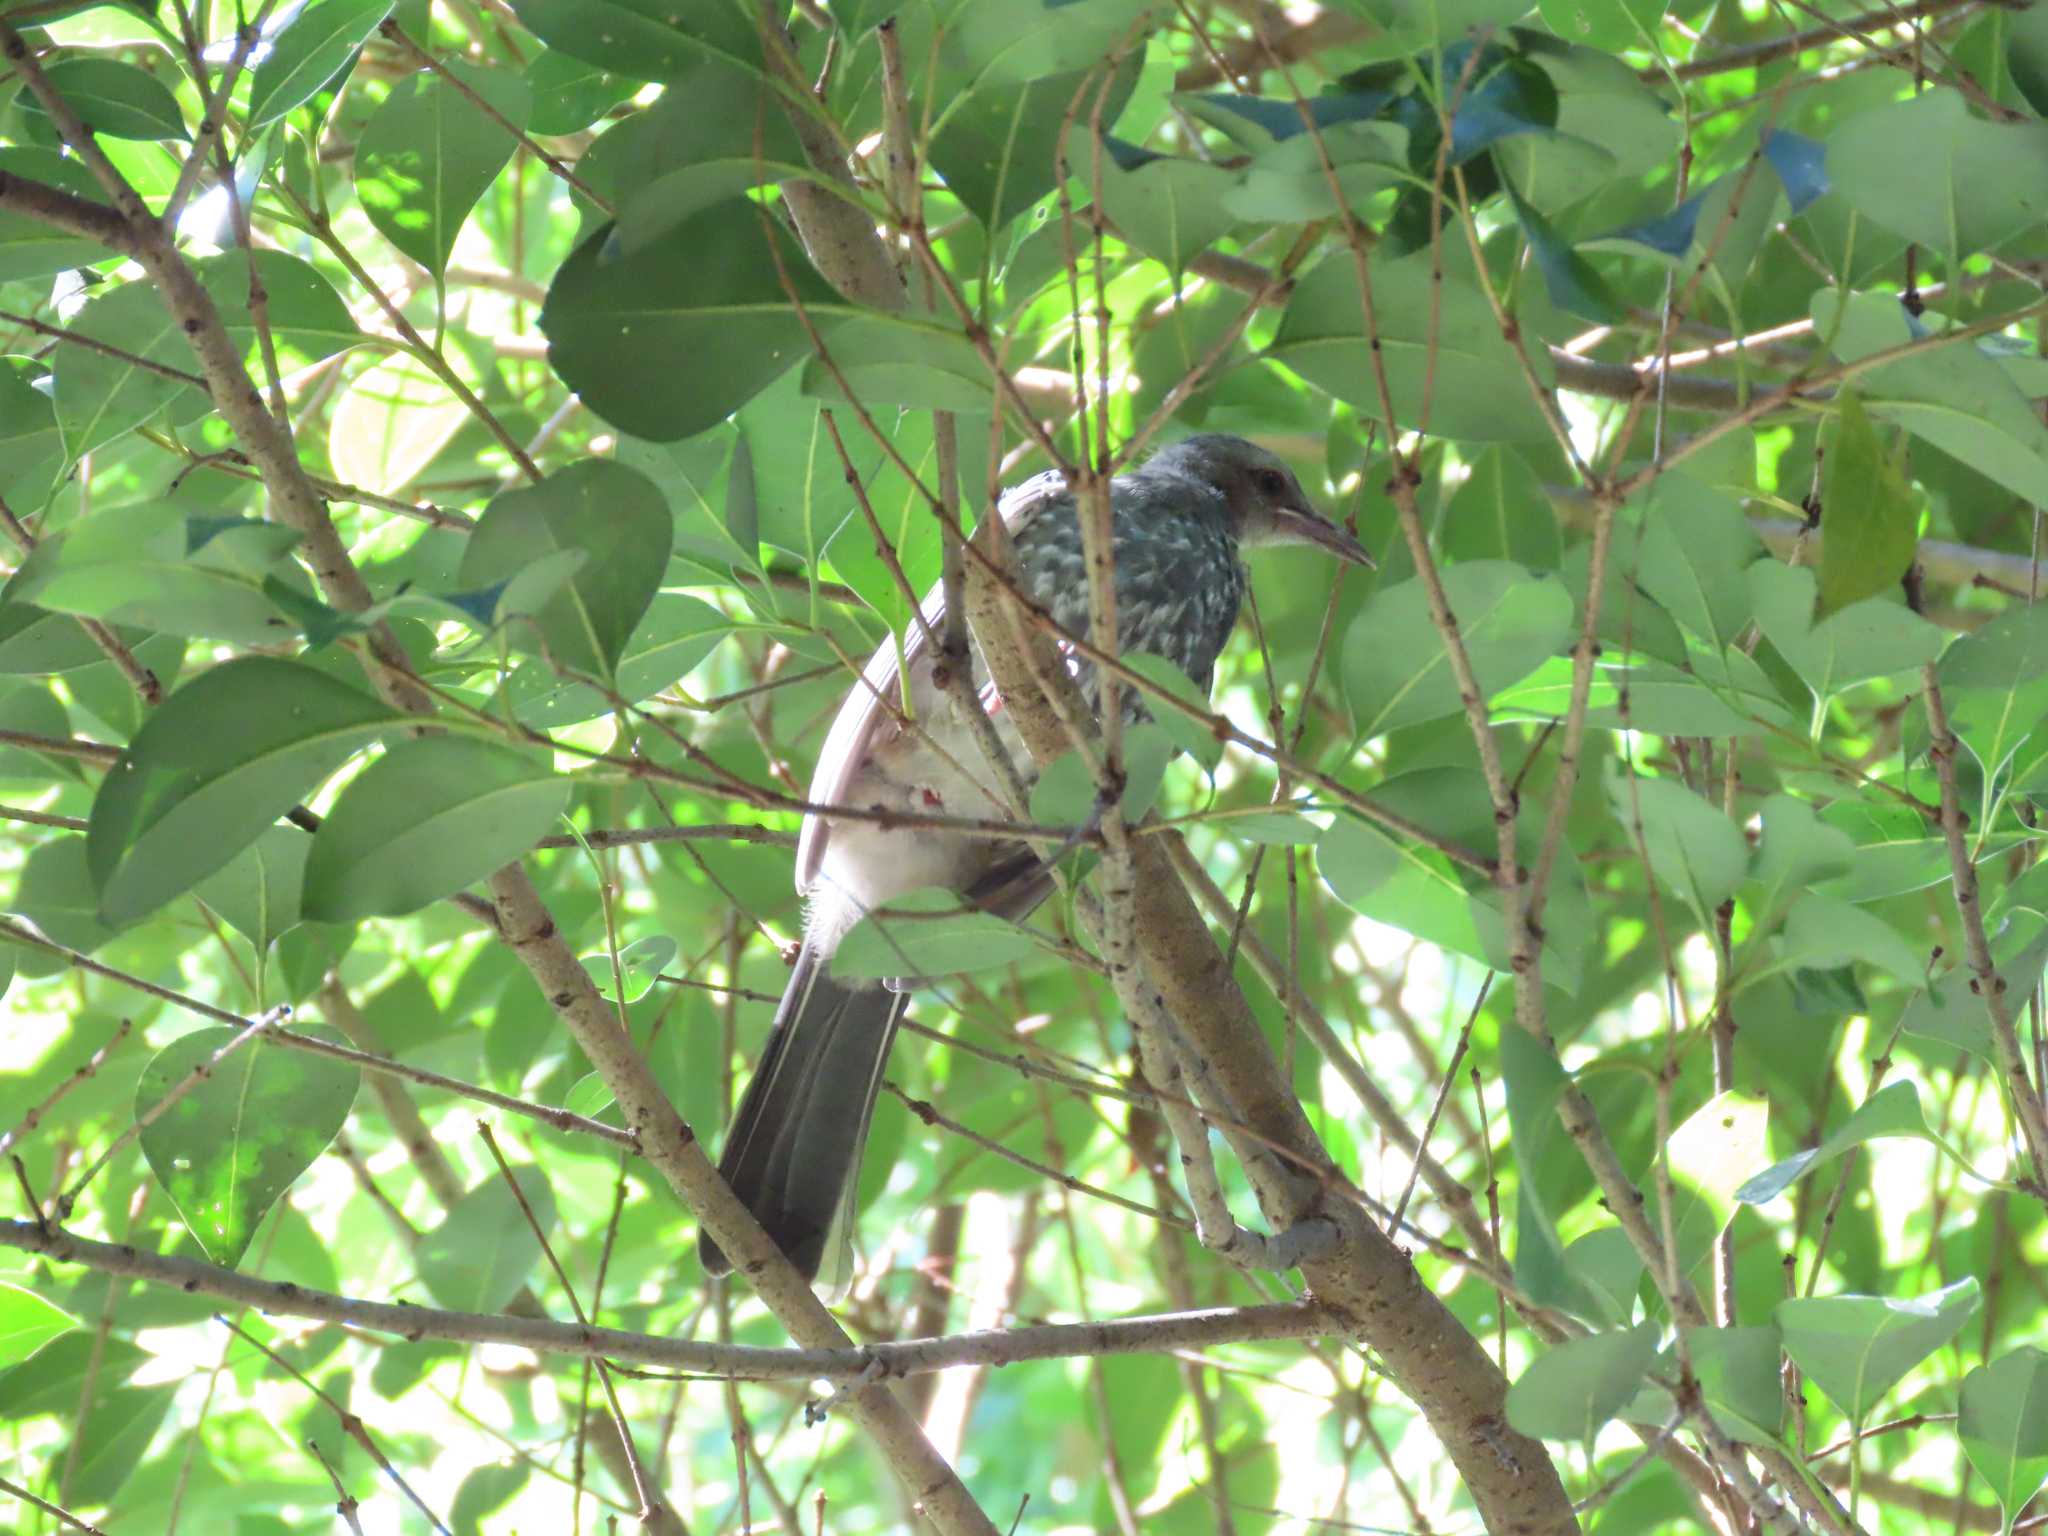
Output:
x=453 y=459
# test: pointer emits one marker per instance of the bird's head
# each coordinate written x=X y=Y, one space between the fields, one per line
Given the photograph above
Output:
x=1266 y=503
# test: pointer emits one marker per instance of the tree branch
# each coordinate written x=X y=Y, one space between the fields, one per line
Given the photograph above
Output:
x=1156 y=1333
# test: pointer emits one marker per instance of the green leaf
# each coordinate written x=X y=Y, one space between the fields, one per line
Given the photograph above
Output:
x=2003 y=1425
x=1898 y=849
x=1568 y=1392
x=1501 y=513
x=429 y=152
x=227 y=1149
x=640 y=962
x=899 y=360
x=1856 y=1348
x=1956 y=396
x=483 y=1492
x=426 y=819
x=1189 y=735
x=1709 y=1156
x=569 y=93
x=309 y=52
x=1418 y=890
x=1975 y=184
x=1572 y=282
x=1869 y=513
x=308 y=319
x=642 y=39
x=1867 y=639
x=1017 y=41
x=1950 y=1010
x=1661 y=699
x=1421 y=25
x=135 y=565
x=675 y=634
x=996 y=145
x=1995 y=683
x=100 y=396
x=1694 y=849
x=393 y=419
x=1695 y=547
x=27 y=1323
x=717 y=131
x=115 y=99
x=1606 y=1265
x=1065 y=794
x=1737 y=1369
x=36 y=643
x=1798 y=850
x=31 y=450
x=1610 y=25
x=57 y=893
x=1445 y=344
x=1893 y=1110
x=611 y=515
x=258 y=890
x=30 y=247
x=124 y=1422
x=1288 y=183
x=711 y=287
x=56 y=1378
x=2027 y=34
x=1167 y=206
x=480 y=1255
x=222 y=759
x=1824 y=933
x=1395 y=667
x=929 y=933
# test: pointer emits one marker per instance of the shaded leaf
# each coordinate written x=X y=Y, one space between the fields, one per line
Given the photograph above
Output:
x=1694 y=849
x=708 y=288
x=258 y=891
x=929 y=933
x=480 y=1255
x=1856 y=1348
x=1867 y=639
x=1395 y=666
x=218 y=762
x=2003 y=1425
x=1869 y=513
x=1955 y=396
x=610 y=515
x=1446 y=345
x=426 y=819
x=1974 y=185
x=1568 y=1392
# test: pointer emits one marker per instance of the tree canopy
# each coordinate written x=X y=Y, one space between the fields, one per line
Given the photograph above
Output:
x=1553 y=1041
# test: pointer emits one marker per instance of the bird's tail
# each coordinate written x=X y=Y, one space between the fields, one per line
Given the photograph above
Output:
x=795 y=1144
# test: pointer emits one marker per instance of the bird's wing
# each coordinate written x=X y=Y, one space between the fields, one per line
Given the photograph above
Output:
x=876 y=699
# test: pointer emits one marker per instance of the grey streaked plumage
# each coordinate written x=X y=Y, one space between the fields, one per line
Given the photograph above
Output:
x=1178 y=524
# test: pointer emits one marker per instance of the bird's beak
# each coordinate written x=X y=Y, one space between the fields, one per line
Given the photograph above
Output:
x=1294 y=525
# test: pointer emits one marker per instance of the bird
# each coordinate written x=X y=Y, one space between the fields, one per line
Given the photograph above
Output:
x=1179 y=524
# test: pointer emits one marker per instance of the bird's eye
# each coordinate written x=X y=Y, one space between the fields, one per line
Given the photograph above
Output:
x=1271 y=483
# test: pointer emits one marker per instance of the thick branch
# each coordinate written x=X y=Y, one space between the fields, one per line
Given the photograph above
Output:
x=1366 y=1278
